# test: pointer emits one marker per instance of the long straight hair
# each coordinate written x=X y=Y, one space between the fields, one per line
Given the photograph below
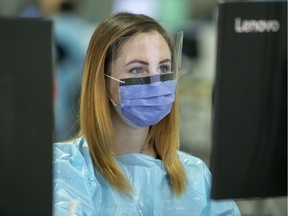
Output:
x=95 y=118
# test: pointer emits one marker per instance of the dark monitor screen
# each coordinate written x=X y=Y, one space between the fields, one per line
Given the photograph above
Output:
x=26 y=117
x=249 y=142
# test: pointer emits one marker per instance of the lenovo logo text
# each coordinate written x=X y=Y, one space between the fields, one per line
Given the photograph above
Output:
x=254 y=26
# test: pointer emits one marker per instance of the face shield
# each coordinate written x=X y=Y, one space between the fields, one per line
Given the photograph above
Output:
x=146 y=55
x=143 y=76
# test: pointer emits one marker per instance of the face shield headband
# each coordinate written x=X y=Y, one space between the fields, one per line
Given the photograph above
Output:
x=143 y=77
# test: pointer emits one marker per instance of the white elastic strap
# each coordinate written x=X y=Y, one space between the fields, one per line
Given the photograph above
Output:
x=115 y=79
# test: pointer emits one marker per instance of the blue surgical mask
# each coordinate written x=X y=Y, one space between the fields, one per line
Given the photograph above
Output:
x=145 y=101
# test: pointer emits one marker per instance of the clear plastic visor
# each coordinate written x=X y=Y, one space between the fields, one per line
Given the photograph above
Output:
x=145 y=58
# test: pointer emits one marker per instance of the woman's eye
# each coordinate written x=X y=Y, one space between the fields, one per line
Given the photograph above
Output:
x=136 y=70
x=164 y=69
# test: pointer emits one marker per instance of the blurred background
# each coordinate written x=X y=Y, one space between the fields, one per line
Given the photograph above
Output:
x=73 y=24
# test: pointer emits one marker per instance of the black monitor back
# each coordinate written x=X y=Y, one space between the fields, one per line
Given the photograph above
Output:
x=249 y=145
x=26 y=117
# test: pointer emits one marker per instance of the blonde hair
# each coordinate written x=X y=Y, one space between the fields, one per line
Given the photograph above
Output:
x=95 y=119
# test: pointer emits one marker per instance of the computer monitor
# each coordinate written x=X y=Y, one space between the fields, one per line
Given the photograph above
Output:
x=26 y=117
x=249 y=125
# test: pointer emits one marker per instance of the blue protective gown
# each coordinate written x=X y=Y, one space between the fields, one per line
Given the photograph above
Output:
x=80 y=188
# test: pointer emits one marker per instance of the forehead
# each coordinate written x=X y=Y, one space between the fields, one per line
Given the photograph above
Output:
x=143 y=44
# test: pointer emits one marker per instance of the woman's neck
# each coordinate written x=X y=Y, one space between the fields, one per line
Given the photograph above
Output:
x=131 y=140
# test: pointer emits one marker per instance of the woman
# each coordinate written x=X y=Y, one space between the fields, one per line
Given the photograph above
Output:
x=125 y=160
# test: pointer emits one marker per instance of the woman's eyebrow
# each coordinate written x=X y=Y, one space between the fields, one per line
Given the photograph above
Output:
x=164 y=61
x=137 y=61
x=146 y=63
